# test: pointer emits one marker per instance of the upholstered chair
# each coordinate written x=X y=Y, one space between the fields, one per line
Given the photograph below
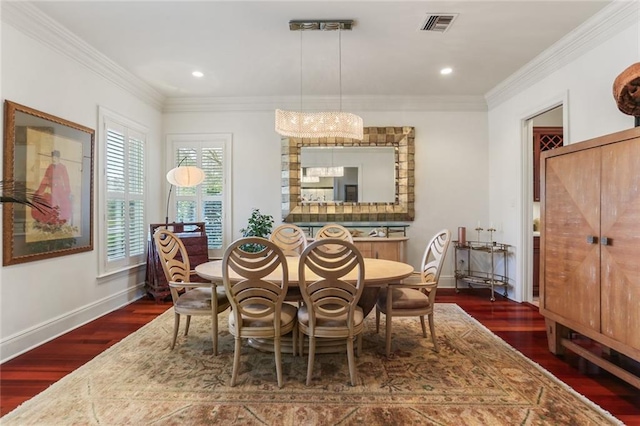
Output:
x=330 y=309
x=415 y=296
x=205 y=299
x=256 y=300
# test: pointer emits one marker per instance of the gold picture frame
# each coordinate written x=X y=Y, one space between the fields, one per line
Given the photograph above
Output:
x=52 y=159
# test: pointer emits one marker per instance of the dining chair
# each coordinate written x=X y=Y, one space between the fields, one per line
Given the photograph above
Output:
x=333 y=230
x=330 y=308
x=292 y=240
x=197 y=298
x=257 y=310
x=415 y=296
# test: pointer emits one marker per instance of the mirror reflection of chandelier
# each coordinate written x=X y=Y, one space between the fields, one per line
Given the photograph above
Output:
x=325 y=171
x=310 y=179
x=301 y=124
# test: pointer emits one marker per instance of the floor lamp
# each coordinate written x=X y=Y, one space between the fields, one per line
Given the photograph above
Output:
x=182 y=176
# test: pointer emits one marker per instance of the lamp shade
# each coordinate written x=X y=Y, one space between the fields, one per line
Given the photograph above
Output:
x=185 y=176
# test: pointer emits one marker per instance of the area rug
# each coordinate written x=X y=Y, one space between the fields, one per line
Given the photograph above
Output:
x=475 y=379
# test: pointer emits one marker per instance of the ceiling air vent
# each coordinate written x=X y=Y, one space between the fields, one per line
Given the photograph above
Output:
x=438 y=22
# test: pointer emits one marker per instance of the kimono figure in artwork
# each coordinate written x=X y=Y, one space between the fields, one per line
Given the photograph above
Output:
x=54 y=189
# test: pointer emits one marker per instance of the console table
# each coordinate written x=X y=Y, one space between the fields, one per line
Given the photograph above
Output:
x=479 y=274
x=194 y=238
x=389 y=228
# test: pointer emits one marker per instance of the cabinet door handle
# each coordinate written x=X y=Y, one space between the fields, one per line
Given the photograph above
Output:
x=592 y=239
x=605 y=241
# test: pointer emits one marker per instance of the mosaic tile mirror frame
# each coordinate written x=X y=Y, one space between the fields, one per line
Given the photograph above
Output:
x=403 y=209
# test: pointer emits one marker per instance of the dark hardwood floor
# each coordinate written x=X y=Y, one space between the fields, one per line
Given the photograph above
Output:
x=519 y=324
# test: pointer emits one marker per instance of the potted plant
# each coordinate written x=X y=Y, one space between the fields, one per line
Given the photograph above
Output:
x=259 y=225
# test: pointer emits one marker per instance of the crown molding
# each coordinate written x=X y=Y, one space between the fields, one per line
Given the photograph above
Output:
x=612 y=19
x=31 y=21
x=310 y=103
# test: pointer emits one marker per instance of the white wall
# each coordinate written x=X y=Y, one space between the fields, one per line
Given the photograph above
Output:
x=586 y=83
x=451 y=167
x=39 y=300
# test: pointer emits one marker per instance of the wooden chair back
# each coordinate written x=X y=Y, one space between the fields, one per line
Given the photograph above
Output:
x=290 y=238
x=432 y=261
x=331 y=295
x=333 y=230
x=254 y=296
x=174 y=259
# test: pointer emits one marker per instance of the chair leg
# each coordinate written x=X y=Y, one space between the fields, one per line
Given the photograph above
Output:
x=186 y=329
x=236 y=361
x=176 y=326
x=312 y=352
x=300 y=342
x=377 y=320
x=388 y=315
x=424 y=328
x=214 y=319
x=214 y=333
x=388 y=333
x=432 y=328
x=278 y=355
x=352 y=361
x=294 y=336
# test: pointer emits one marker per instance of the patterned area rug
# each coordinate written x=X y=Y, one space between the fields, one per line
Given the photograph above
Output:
x=475 y=379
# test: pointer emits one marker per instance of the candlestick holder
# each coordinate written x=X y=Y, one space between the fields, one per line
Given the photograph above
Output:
x=478 y=229
x=491 y=231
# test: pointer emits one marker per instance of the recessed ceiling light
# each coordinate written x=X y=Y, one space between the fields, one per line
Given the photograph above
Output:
x=197 y=74
x=445 y=71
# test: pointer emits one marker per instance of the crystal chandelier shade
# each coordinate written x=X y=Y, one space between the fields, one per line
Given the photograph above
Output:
x=319 y=124
x=310 y=179
x=338 y=124
x=325 y=171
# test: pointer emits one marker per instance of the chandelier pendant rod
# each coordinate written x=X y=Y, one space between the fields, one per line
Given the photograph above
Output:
x=301 y=70
x=340 y=65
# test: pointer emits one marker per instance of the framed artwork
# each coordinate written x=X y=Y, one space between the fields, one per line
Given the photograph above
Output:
x=52 y=159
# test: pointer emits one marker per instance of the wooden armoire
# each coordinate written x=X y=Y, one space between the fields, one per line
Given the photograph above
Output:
x=590 y=249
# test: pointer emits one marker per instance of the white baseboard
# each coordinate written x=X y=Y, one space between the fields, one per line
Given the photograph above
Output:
x=19 y=343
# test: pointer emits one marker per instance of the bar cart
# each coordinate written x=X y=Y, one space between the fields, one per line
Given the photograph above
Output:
x=485 y=257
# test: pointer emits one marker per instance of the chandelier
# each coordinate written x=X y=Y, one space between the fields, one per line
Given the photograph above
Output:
x=310 y=179
x=300 y=124
x=325 y=171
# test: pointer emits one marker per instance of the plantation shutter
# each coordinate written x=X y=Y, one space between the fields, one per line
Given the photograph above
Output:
x=205 y=202
x=125 y=189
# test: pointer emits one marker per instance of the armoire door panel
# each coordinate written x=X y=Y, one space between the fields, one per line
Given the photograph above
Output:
x=620 y=277
x=579 y=174
x=572 y=263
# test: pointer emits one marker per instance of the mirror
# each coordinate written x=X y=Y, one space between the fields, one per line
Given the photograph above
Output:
x=366 y=174
x=359 y=195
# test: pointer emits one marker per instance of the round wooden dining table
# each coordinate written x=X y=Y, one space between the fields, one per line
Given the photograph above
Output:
x=377 y=273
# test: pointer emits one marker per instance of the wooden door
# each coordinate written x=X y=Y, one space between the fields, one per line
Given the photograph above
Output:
x=620 y=224
x=570 y=251
x=536 y=266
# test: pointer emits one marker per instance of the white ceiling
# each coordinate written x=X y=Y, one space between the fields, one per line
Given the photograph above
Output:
x=246 y=49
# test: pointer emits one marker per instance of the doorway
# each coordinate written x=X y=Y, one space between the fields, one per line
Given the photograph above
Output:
x=545 y=131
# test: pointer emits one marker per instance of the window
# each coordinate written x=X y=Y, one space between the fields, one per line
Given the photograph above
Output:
x=208 y=202
x=123 y=223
